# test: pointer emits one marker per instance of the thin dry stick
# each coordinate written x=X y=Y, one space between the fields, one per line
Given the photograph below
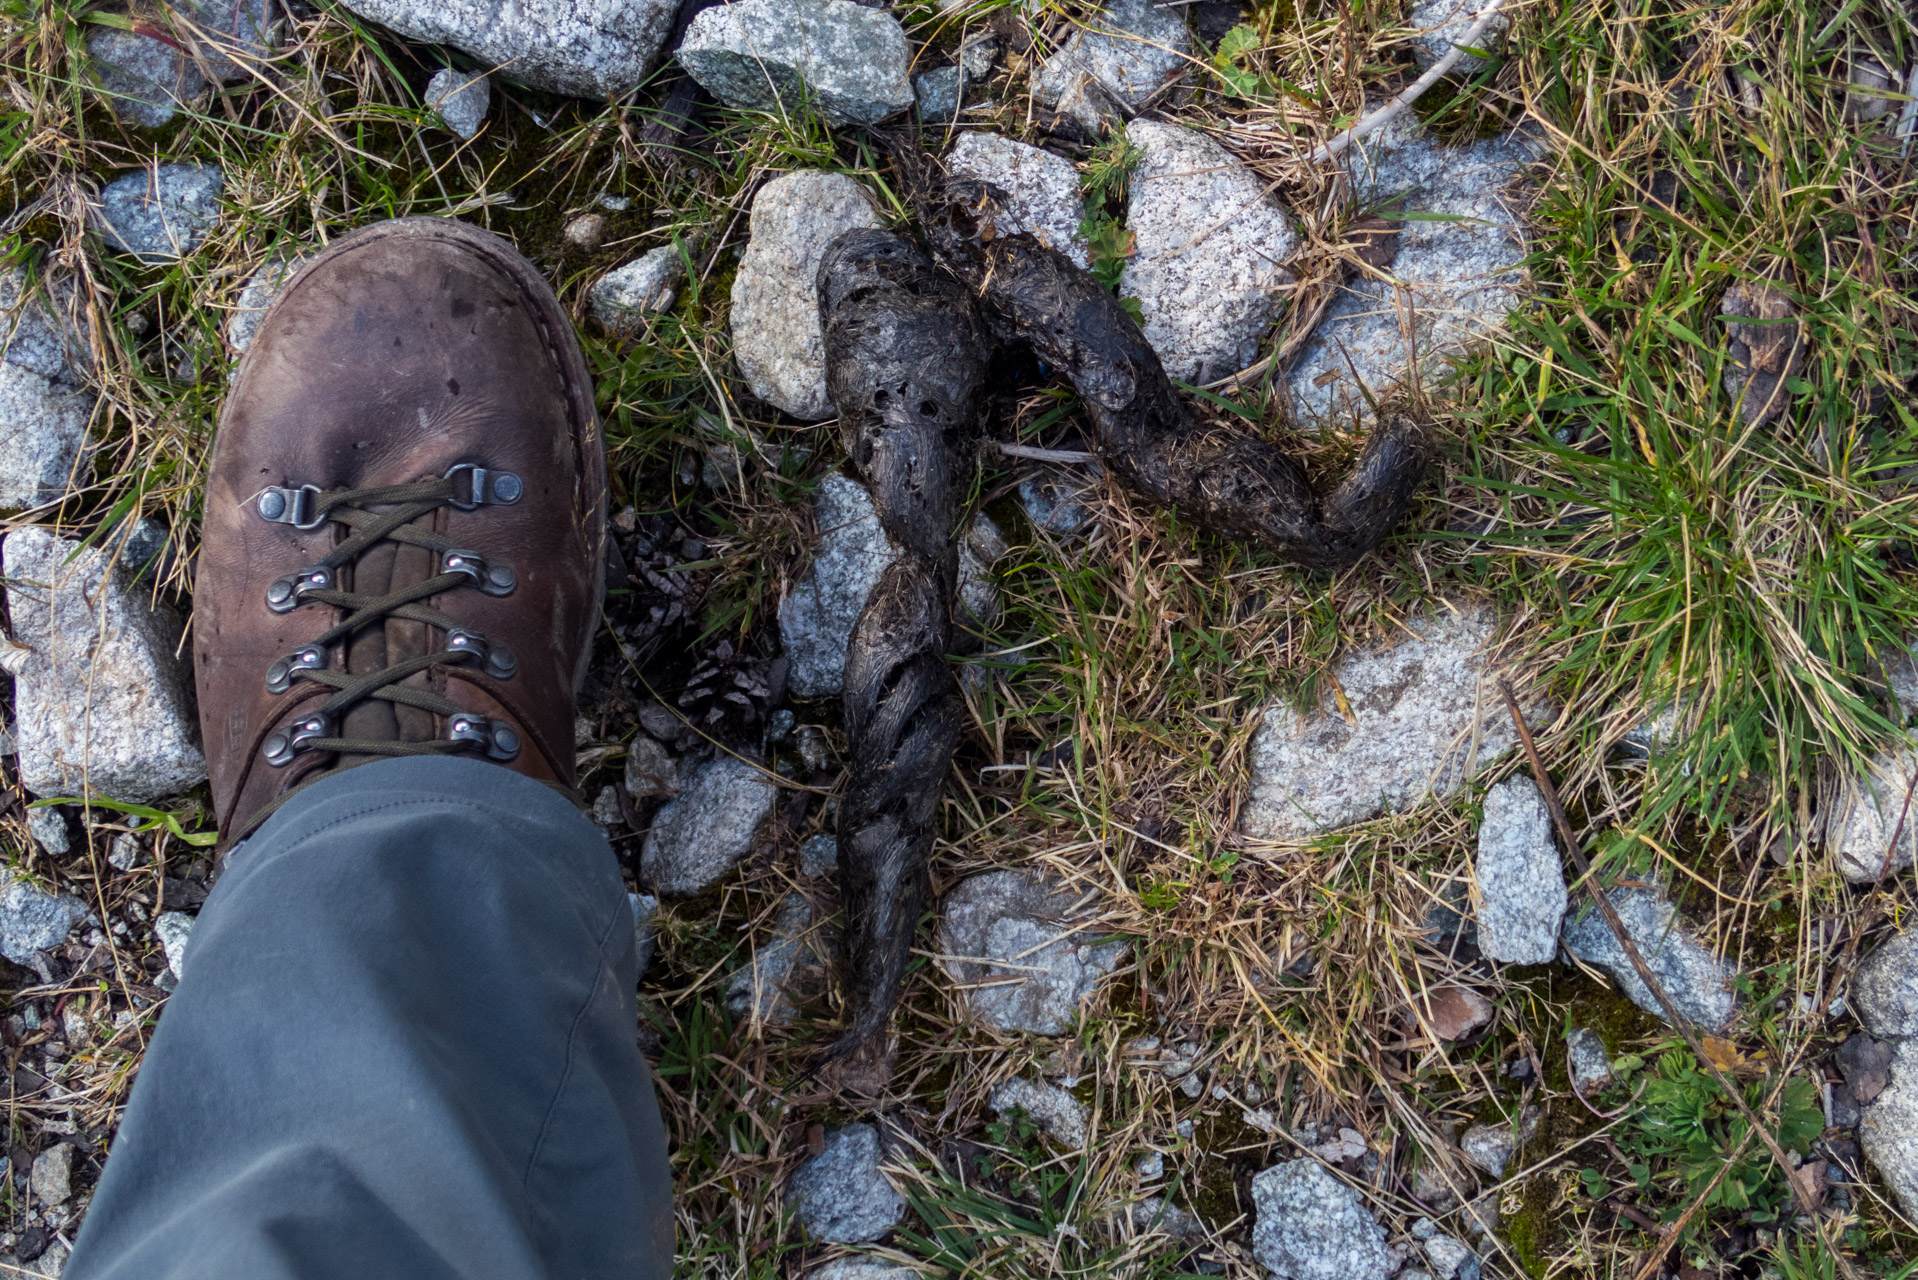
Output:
x=1609 y=913
x=1372 y=123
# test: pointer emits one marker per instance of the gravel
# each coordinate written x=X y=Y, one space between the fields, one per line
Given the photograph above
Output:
x=256 y=295
x=1042 y=189
x=1457 y=279
x=100 y=701
x=1062 y=1116
x=174 y=929
x=786 y=970
x=1311 y=1226
x=775 y=316
x=1124 y=54
x=846 y=60
x=1699 y=983
x=625 y=297
x=1428 y=716
x=651 y=770
x=45 y=401
x=1589 y=1066
x=819 y=855
x=161 y=213
x=1034 y=936
x=816 y=619
x=52 y=1176
x=1440 y=23
x=1521 y=886
x=1884 y=994
x=1208 y=250
x=147 y=81
x=460 y=99
x=33 y=920
x=841 y=1195
x=699 y=836
x=588 y=48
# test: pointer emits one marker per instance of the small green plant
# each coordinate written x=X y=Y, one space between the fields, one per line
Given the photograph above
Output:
x=1236 y=48
x=154 y=818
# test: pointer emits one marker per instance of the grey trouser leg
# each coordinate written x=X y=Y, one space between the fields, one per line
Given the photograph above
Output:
x=404 y=1046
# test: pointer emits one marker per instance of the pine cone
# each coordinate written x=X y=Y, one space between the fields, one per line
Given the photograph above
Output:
x=728 y=695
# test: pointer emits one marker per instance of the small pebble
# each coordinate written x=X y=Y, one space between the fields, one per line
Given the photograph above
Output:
x=586 y=231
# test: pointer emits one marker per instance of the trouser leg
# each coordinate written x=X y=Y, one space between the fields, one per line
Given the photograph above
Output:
x=404 y=1045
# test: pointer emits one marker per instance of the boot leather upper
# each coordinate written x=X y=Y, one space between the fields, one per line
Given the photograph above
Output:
x=395 y=354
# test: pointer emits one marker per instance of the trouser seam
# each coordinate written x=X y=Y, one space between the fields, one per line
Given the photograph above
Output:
x=572 y=1056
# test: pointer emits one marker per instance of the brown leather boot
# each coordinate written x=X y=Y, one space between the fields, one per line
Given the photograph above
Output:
x=405 y=520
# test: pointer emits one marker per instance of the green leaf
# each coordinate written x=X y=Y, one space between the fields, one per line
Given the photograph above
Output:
x=155 y=818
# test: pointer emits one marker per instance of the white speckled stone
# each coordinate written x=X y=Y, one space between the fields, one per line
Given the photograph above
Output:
x=256 y=295
x=841 y=1195
x=786 y=969
x=1860 y=826
x=776 y=335
x=1131 y=50
x=1698 y=982
x=162 y=213
x=45 y=399
x=1311 y=1226
x=590 y=48
x=1521 y=887
x=459 y=99
x=1051 y=1108
x=1888 y=1129
x=1208 y=250
x=1009 y=939
x=1043 y=189
x=862 y=1269
x=1453 y=282
x=817 y=618
x=844 y=59
x=624 y=297
x=1589 y=1066
x=1441 y=22
x=1428 y=715
x=147 y=81
x=32 y=920
x=700 y=835
x=174 y=929
x=101 y=701
x=1884 y=995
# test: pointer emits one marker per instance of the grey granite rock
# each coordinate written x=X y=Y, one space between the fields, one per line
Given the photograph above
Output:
x=1208 y=252
x=1489 y=1146
x=1699 y=982
x=862 y=1269
x=606 y=811
x=1058 y=499
x=1428 y=715
x=1453 y=281
x=841 y=1195
x=32 y=920
x=625 y=297
x=45 y=400
x=1888 y=1130
x=1439 y=23
x=1521 y=886
x=819 y=855
x=1061 y=1115
x=817 y=618
x=1884 y=994
x=1448 y=1256
x=1043 y=189
x=146 y=80
x=846 y=60
x=161 y=213
x=651 y=770
x=1156 y=1213
x=940 y=93
x=256 y=295
x=459 y=99
x=52 y=1176
x=699 y=836
x=1023 y=949
x=1589 y=1066
x=590 y=48
x=775 y=317
x=49 y=829
x=174 y=929
x=786 y=971
x=100 y=699
x=1859 y=830
x=1311 y=1226
x=1130 y=51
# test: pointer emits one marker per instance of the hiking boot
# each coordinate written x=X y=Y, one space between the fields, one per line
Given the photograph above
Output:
x=403 y=544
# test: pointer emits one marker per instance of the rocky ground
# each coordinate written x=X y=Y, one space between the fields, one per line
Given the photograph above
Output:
x=1257 y=948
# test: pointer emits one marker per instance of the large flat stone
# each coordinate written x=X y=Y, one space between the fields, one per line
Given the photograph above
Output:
x=1453 y=281
x=1311 y=1226
x=101 y=701
x=701 y=834
x=844 y=59
x=45 y=399
x=590 y=48
x=1023 y=949
x=1697 y=980
x=1426 y=715
x=1521 y=886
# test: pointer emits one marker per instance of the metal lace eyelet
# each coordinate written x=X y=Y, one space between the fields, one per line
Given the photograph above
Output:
x=285 y=744
x=288 y=593
x=285 y=505
x=484 y=487
x=496 y=737
x=279 y=676
x=495 y=659
x=490 y=576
